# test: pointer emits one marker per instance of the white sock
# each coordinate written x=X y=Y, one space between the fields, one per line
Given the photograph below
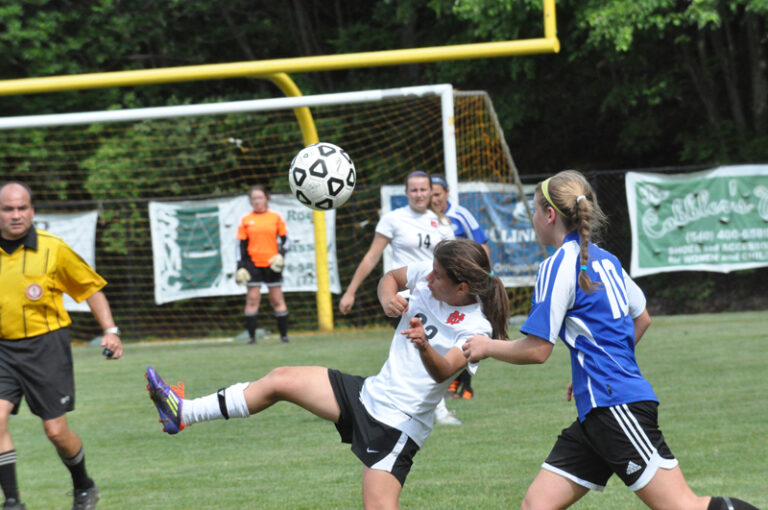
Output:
x=440 y=409
x=207 y=408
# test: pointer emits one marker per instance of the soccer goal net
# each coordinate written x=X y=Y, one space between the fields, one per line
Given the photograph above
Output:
x=107 y=187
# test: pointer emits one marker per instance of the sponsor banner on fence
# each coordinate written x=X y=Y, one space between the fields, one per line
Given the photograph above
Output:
x=194 y=247
x=515 y=252
x=78 y=230
x=715 y=220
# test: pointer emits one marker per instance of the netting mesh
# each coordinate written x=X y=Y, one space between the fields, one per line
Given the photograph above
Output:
x=118 y=168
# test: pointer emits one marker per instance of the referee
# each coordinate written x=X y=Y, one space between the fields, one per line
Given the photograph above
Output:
x=35 y=354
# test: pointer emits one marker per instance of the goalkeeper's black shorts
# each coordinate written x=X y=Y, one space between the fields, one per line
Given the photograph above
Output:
x=264 y=276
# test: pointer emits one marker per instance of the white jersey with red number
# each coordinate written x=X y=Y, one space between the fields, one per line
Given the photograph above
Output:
x=403 y=394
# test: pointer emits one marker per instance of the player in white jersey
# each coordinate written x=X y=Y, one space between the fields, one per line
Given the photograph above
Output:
x=584 y=297
x=413 y=231
x=465 y=226
x=386 y=417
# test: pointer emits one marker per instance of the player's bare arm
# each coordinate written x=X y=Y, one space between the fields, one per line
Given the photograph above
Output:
x=103 y=314
x=369 y=261
x=642 y=323
x=523 y=351
x=439 y=367
x=390 y=284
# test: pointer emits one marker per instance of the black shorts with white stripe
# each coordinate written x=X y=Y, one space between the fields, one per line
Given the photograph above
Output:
x=376 y=444
x=623 y=439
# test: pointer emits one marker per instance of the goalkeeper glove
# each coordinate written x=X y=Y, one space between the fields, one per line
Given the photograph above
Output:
x=276 y=263
x=242 y=276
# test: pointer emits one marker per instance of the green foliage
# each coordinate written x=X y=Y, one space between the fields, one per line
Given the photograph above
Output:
x=643 y=82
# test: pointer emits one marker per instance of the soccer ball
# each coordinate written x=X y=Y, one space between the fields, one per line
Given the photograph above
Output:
x=322 y=176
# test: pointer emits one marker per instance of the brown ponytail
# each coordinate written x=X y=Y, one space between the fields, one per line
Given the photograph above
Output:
x=571 y=195
x=465 y=261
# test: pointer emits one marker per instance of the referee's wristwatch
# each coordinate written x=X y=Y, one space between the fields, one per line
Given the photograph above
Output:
x=114 y=330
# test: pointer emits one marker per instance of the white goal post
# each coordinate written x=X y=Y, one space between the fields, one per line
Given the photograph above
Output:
x=443 y=91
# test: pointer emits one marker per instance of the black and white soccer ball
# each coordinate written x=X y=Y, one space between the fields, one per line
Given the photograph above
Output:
x=322 y=176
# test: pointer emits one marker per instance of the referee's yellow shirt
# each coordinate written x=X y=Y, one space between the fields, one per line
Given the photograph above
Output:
x=32 y=280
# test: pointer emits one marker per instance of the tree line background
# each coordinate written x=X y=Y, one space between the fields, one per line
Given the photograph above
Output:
x=636 y=85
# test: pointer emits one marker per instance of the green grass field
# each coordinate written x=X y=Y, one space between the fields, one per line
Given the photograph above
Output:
x=709 y=372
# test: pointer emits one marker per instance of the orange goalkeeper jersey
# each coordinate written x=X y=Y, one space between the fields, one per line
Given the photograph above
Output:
x=261 y=230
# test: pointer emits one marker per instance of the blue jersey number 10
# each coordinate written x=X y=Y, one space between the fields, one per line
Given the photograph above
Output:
x=614 y=287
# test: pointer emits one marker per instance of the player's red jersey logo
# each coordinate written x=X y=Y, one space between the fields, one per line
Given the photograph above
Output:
x=455 y=317
x=434 y=223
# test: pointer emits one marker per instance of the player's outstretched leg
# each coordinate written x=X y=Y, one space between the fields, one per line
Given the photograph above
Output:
x=167 y=399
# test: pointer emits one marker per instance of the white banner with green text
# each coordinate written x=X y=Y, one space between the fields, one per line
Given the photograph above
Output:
x=194 y=247
x=716 y=220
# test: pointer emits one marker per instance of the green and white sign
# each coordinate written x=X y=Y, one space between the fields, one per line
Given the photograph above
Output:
x=715 y=220
x=194 y=247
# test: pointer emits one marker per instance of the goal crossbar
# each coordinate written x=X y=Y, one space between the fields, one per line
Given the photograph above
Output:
x=443 y=91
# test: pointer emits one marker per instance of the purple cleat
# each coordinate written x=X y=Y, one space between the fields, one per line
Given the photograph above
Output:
x=167 y=399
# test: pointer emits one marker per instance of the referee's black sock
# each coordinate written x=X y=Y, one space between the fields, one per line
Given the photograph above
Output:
x=76 y=466
x=729 y=504
x=8 y=475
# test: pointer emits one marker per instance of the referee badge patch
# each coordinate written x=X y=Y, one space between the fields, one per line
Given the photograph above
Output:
x=34 y=292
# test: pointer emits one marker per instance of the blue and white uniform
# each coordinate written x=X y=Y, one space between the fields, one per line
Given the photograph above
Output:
x=617 y=428
x=465 y=226
x=597 y=327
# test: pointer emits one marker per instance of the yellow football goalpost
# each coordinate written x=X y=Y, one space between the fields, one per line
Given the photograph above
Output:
x=277 y=71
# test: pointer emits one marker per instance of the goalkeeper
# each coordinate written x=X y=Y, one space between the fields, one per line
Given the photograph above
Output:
x=263 y=244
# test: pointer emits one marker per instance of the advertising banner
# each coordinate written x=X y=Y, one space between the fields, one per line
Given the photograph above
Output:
x=194 y=247
x=715 y=220
x=515 y=252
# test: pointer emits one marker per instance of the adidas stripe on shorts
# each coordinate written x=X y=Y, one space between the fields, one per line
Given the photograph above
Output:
x=623 y=439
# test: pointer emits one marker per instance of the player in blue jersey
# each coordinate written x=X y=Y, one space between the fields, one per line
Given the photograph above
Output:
x=584 y=297
x=465 y=226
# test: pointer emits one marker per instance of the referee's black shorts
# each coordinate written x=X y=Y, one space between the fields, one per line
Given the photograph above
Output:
x=377 y=445
x=39 y=369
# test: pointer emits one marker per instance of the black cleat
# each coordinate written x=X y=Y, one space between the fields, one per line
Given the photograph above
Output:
x=86 y=499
